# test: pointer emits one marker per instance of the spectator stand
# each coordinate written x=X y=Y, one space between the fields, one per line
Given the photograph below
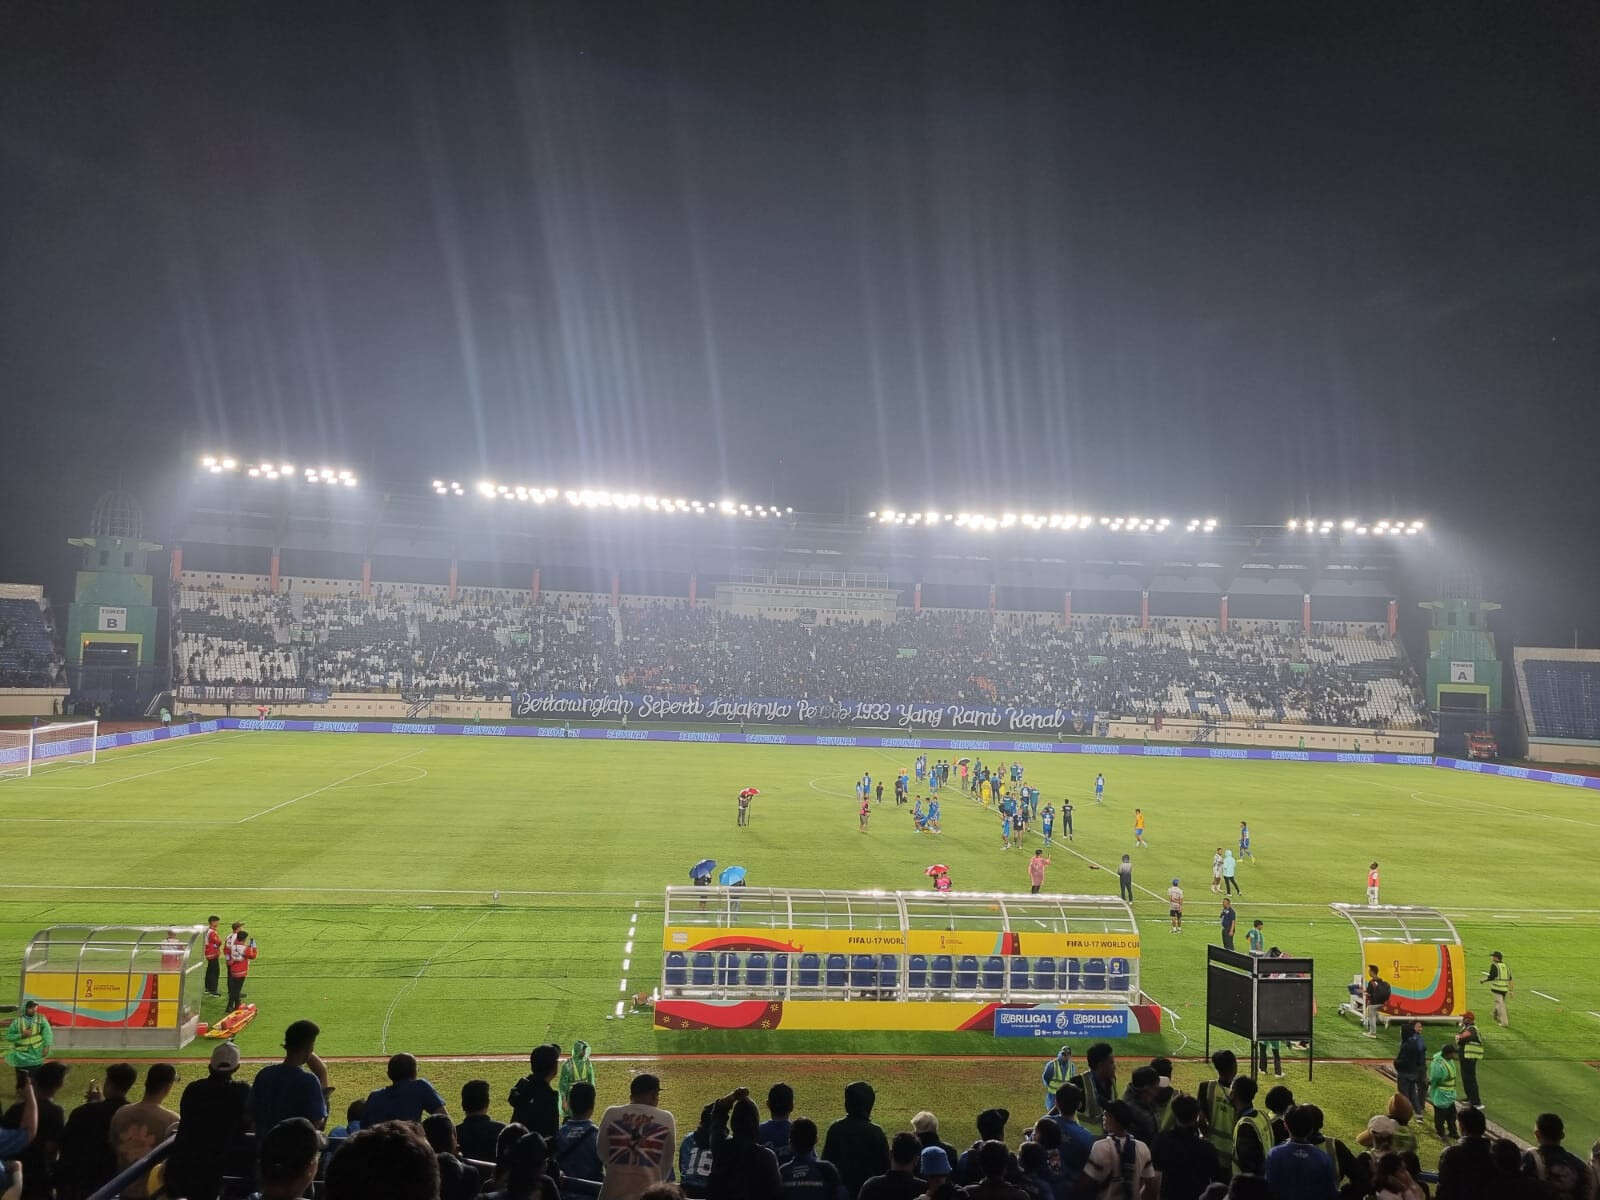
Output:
x=117 y=986
x=1418 y=952
x=781 y=958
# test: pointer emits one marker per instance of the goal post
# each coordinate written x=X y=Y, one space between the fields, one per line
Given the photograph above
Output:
x=65 y=743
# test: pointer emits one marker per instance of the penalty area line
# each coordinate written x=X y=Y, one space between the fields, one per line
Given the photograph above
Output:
x=327 y=786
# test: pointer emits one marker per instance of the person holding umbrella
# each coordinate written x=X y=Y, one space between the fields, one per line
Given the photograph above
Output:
x=700 y=875
x=732 y=877
x=940 y=874
x=745 y=796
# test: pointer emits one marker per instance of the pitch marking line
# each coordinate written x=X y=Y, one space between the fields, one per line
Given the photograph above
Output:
x=327 y=786
x=1545 y=995
x=1480 y=806
x=406 y=988
x=627 y=952
x=94 y=787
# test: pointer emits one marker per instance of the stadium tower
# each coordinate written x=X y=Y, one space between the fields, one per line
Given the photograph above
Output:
x=111 y=649
x=1463 y=668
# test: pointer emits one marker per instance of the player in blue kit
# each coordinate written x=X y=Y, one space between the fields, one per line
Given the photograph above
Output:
x=1244 y=843
x=1005 y=832
x=1099 y=789
x=1047 y=824
x=933 y=815
x=918 y=817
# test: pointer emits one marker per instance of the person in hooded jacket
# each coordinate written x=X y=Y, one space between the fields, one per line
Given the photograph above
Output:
x=741 y=1167
x=577 y=1069
x=854 y=1144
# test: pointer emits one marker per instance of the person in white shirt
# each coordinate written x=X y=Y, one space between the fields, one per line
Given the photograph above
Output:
x=636 y=1141
x=1175 y=906
x=1119 y=1163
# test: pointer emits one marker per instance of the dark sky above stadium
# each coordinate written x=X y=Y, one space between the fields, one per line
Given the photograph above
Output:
x=1244 y=259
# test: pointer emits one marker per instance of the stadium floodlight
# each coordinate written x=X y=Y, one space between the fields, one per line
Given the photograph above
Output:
x=1163 y=523
x=990 y=524
x=1362 y=529
x=349 y=481
x=286 y=468
x=1007 y=520
x=1195 y=524
x=1347 y=523
x=208 y=461
x=254 y=472
x=1293 y=524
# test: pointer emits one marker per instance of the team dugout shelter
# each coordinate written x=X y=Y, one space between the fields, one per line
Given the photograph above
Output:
x=1418 y=952
x=104 y=987
x=810 y=959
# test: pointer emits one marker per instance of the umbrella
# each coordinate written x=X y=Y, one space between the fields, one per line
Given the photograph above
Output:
x=750 y=792
x=704 y=867
x=937 y=869
x=731 y=876
x=962 y=762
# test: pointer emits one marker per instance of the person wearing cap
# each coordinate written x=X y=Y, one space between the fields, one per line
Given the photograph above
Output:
x=1444 y=1084
x=637 y=1140
x=1499 y=981
x=926 y=1126
x=213 y=954
x=287 y=1158
x=804 y=1176
x=854 y=1143
x=211 y=1122
x=1057 y=1071
x=1120 y=1163
x=1470 y=1049
x=900 y=1181
x=935 y=1167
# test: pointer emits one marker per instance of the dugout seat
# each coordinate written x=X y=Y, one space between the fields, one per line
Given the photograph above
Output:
x=810 y=971
x=838 y=977
x=1044 y=974
x=967 y=972
x=780 y=970
x=755 y=969
x=677 y=969
x=704 y=962
x=889 y=971
x=1094 y=975
x=863 y=971
x=941 y=972
x=1019 y=974
x=994 y=973
x=1118 y=974
x=1073 y=975
x=727 y=969
x=917 y=971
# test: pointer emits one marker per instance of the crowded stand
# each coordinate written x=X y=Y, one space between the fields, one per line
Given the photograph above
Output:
x=490 y=642
x=1110 y=1130
x=28 y=655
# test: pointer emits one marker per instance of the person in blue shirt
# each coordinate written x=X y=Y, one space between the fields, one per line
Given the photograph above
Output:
x=917 y=817
x=694 y=1158
x=1047 y=824
x=288 y=1089
x=576 y=1145
x=1299 y=1167
x=1076 y=1140
x=1005 y=832
x=804 y=1176
x=933 y=815
x=774 y=1132
x=1099 y=789
x=407 y=1098
x=1244 y=843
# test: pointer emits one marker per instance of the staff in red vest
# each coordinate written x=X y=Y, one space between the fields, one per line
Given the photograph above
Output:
x=241 y=951
x=213 y=953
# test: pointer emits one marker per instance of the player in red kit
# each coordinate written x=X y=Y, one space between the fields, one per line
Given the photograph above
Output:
x=1372 y=884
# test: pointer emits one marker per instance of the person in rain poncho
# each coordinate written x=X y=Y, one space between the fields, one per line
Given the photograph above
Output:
x=577 y=1069
x=29 y=1039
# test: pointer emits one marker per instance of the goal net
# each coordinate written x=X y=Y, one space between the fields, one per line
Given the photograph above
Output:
x=70 y=743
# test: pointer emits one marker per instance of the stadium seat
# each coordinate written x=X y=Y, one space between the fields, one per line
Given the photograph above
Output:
x=1019 y=974
x=967 y=972
x=703 y=964
x=917 y=971
x=780 y=970
x=994 y=973
x=677 y=969
x=942 y=972
x=1044 y=974
x=1094 y=975
x=1119 y=974
x=888 y=971
x=727 y=969
x=1073 y=972
x=838 y=976
x=809 y=974
x=863 y=971
x=755 y=969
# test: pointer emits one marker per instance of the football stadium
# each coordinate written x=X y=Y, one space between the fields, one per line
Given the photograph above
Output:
x=726 y=601
x=484 y=766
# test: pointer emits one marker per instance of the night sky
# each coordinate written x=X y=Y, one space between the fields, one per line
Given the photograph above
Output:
x=1250 y=260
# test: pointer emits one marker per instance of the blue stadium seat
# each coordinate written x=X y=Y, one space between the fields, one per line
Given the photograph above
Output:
x=1119 y=974
x=942 y=972
x=677 y=969
x=888 y=971
x=704 y=961
x=780 y=970
x=810 y=971
x=917 y=971
x=1073 y=975
x=863 y=971
x=994 y=973
x=755 y=969
x=838 y=976
x=1044 y=974
x=727 y=969
x=967 y=972
x=1094 y=975
x=1019 y=974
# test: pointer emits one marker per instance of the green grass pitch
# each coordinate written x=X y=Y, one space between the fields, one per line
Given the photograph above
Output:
x=365 y=866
